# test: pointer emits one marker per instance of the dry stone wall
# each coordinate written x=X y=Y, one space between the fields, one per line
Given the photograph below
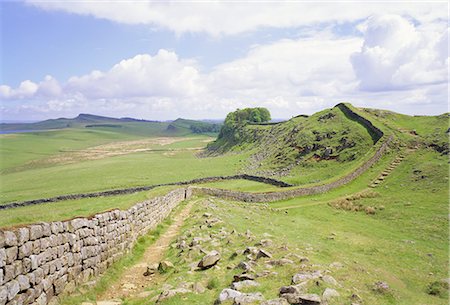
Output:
x=39 y=261
x=276 y=196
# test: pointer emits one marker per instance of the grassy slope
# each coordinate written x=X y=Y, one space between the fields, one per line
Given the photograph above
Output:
x=404 y=245
x=279 y=146
x=69 y=209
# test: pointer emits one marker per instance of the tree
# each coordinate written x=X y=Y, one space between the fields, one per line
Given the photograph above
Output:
x=236 y=120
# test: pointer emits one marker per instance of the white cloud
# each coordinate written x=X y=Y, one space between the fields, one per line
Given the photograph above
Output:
x=289 y=76
x=228 y=17
x=398 y=55
x=143 y=75
x=26 y=89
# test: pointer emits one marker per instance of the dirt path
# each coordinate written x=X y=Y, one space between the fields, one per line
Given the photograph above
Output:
x=132 y=282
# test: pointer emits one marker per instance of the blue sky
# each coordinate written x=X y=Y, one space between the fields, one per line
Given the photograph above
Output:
x=161 y=60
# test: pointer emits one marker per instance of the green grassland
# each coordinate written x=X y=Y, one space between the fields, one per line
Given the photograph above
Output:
x=404 y=244
x=396 y=232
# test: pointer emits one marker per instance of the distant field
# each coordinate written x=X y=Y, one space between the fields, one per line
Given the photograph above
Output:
x=59 y=162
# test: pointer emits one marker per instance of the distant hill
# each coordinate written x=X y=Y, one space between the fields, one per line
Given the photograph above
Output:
x=329 y=135
x=129 y=125
x=192 y=126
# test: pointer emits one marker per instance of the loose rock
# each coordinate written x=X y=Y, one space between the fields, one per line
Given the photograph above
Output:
x=243 y=284
x=209 y=260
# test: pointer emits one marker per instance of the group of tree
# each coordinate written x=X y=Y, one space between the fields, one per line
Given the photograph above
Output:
x=236 y=120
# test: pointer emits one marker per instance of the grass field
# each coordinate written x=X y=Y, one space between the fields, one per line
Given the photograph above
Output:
x=404 y=244
x=396 y=232
x=75 y=161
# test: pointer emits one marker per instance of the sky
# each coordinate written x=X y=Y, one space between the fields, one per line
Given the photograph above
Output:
x=162 y=60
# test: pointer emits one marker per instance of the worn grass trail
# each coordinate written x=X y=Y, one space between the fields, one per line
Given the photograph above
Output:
x=133 y=282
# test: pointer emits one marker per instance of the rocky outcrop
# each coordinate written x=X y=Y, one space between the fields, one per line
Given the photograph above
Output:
x=39 y=261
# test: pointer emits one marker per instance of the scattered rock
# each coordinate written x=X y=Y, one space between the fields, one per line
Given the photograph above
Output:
x=305 y=276
x=209 y=260
x=243 y=277
x=243 y=284
x=303 y=299
x=244 y=265
x=170 y=293
x=265 y=243
x=279 y=301
x=151 y=269
x=329 y=294
x=227 y=294
x=328 y=279
x=263 y=253
x=248 y=298
x=381 y=287
x=251 y=250
x=165 y=266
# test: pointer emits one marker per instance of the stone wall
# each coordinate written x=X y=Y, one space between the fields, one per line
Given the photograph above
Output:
x=131 y=190
x=374 y=131
x=39 y=261
x=276 y=196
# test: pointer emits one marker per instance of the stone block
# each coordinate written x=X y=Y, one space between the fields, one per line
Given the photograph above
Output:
x=60 y=283
x=2 y=257
x=57 y=227
x=10 y=239
x=23 y=235
x=25 y=250
x=3 y=295
x=11 y=254
x=42 y=299
x=35 y=261
x=2 y=239
x=26 y=264
x=24 y=282
x=36 y=232
x=9 y=273
x=46 y=230
x=13 y=289
x=18 y=268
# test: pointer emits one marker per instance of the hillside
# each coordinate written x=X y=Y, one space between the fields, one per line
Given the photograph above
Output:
x=179 y=127
x=329 y=138
x=326 y=136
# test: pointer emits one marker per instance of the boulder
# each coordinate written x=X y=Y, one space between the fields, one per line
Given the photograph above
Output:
x=244 y=284
x=305 y=276
x=328 y=279
x=227 y=294
x=279 y=301
x=165 y=266
x=329 y=294
x=303 y=299
x=248 y=298
x=209 y=260
x=243 y=277
x=170 y=293
x=151 y=269
x=263 y=254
